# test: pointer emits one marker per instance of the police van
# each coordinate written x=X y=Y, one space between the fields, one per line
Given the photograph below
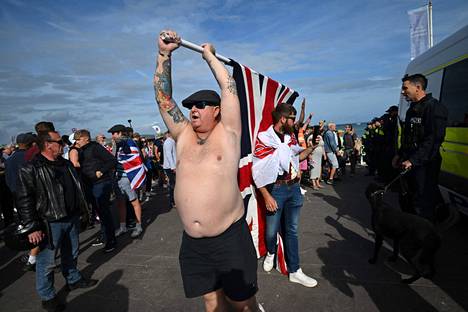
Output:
x=446 y=67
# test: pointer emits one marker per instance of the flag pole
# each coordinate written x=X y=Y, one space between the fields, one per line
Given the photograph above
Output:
x=431 y=38
x=199 y=49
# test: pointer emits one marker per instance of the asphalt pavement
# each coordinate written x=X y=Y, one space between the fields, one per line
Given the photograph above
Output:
x=335 y=242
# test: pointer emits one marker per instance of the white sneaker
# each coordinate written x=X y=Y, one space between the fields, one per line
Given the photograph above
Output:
x=268 y=262
x=120 y=231
x=301 y=278
x=261 y=308
x=136 y=232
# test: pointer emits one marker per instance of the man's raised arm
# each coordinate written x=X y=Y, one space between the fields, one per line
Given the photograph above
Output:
x=162 y=82
x=230 y=108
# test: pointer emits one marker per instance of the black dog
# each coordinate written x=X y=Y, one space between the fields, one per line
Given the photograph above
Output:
x=414 y=236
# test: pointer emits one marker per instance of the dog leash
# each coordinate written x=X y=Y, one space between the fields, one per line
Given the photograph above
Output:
x=398 y=177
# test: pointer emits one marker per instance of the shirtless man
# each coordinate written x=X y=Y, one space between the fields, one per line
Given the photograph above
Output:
x=217 y=256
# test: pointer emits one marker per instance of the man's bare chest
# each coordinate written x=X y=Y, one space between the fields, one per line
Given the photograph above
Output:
x=208 y=153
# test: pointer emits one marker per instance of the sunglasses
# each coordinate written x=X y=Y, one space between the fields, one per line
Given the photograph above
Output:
x=292 y=117
x=200 y=105
x=58 y=141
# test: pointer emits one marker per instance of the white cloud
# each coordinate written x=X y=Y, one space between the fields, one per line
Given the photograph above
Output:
x=62 y=28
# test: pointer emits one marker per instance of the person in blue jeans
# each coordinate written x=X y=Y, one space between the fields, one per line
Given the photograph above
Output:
x=51 y=204
x=277 y=175
x=97 y=172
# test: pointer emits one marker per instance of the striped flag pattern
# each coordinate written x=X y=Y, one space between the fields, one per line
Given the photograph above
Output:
x=132 y=164
x=258 y=96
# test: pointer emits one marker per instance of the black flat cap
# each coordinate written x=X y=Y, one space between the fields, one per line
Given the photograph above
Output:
x=208 y=96
x=25 y=138
x=392 y=108
x=117 y=128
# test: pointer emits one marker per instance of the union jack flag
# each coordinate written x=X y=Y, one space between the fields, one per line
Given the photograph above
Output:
x=262 y=150
x=129 y=157
x=258 y=96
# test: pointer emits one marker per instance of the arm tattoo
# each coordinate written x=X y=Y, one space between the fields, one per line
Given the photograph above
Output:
x=232 y=85
x=176 y=114
x=163 y=85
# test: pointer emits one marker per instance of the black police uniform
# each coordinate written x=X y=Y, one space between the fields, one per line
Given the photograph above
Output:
x=369 y=142
x=379 y=149
x=390 y=127
x=423 y=134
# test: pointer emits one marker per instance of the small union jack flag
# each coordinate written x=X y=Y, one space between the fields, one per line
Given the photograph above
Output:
x=132 y=163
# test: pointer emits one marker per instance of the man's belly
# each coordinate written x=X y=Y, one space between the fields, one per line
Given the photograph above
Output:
x=207 y=207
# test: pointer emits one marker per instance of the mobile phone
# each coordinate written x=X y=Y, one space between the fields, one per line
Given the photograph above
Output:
x=315 y=134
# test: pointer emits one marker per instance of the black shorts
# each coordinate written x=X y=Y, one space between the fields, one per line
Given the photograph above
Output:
x=226 y=261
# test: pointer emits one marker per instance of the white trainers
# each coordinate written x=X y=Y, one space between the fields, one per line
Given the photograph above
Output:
x=268 y=262
x=261 y=308
x=136 y=232
x=301 y=278
x=120 y=231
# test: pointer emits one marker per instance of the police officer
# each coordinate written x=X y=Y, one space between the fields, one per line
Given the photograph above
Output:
x=390 y=130
x=422 y=135
x=368 y=142
x=379 y=146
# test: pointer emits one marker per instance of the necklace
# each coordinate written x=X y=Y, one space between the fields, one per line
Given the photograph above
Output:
x=201 y=141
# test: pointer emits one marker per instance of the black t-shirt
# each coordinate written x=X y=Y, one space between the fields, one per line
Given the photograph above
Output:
x=159 y=144
x=286 y=175
x=349 y=140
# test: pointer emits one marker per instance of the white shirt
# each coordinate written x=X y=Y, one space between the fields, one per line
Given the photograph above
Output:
x=278 y=161
x=169 y=151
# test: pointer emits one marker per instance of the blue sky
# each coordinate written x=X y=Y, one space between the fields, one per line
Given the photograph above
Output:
x=89 y=64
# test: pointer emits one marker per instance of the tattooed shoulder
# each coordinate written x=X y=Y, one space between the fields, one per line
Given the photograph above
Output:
x=232 y=85
x=176 y=114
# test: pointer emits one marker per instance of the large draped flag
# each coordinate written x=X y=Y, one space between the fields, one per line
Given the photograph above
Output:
x=258 y=96
x=132 y=163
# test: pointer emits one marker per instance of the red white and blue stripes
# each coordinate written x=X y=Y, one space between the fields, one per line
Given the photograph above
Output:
x=132 y=164
x=258 y=96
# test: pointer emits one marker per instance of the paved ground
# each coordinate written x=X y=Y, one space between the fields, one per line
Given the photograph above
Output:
x=335 y=243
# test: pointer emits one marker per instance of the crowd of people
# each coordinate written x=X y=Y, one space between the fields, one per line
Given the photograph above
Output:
x=380 y=141
x=82 y=178
x=60 y=185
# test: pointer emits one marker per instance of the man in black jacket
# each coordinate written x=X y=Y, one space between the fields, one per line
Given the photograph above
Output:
x=390 y=129
x=97 y=167
x=49 y=200
x=423 y=134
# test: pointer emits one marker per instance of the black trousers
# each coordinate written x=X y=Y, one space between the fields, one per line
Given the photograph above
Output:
x=6 y=202
x=149 y=180
x=352 y=157
x=172 y=181
x=422 y=194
